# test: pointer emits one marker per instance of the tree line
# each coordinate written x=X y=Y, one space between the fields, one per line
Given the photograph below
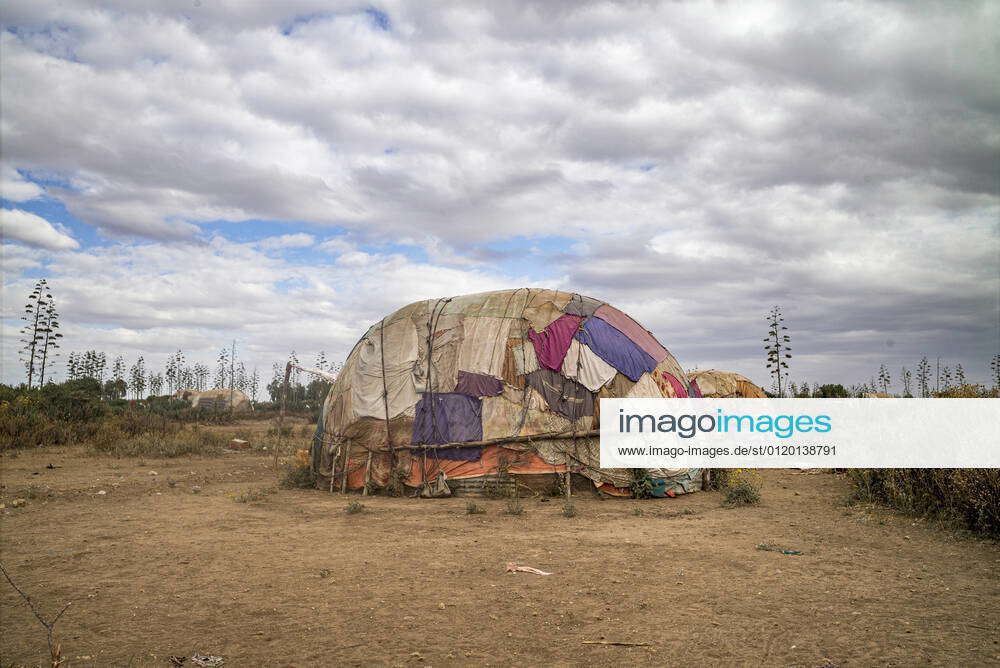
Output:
x=927 y=381
x=120 y=380
x=41 y=341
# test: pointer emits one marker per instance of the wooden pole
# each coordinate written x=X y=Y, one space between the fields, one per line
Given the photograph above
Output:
x=553 y=435
x=368 y=474
x=333 y=468
x=344 y=471
x=388 y=425
x=281 y=415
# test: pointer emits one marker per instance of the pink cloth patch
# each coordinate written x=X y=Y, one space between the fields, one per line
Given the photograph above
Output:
x=552 y=343
x=695 y=390
x=678 y=386
x=632 y=330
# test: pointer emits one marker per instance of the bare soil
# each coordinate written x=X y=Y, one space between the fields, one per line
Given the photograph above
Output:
x=155 y=569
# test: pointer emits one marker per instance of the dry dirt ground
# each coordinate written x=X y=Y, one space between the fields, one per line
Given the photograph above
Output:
x=155 y=569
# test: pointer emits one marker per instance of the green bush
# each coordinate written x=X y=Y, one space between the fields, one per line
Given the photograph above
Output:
x=179 y=410
x=642 y=484
x=53 y=415
x=78 y=399
x=969 y=497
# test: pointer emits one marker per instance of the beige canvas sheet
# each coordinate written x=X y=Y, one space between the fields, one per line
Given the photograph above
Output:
x=584 y=366
x=367 y=388
x=644 y=387
x=446 y=340
x=484 y=345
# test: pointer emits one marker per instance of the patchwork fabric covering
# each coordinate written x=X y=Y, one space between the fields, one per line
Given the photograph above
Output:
x=726 y=384
x=488 y=385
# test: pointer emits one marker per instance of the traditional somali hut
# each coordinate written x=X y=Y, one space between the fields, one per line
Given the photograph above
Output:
x=464 y=394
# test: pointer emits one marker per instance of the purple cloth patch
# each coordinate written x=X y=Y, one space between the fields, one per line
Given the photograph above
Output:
x=678 y=386
x=552 y=343
x=563 y=395
x=472 y=454
x=478 y=384
x=695 y=390
x=448 y=418
x=615 y=348
x=633 y=330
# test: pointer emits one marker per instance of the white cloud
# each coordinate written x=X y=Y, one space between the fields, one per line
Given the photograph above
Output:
x=300 y=240
x=15 y=187
x=17 y=258
x=535 y=126
x=839 y=159
x=152 y=299
x=33 y=230
x=337 y=246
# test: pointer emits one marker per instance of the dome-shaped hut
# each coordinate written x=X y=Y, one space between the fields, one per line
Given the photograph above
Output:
x=468 y=393
x=725 y=384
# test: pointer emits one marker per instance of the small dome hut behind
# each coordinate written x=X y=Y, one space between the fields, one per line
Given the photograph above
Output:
x=724 y=384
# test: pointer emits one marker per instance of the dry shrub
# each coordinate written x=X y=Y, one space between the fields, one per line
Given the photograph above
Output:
x=299 y=477
x=721 y=478
x=969 y=497
x=129 y=433
x=503 y=485
x=29 y=430
x=255 y=495
x=739 y=487
x=397 y=481
x=472 y=508
x=111 y=440
x=133 y=423
x=354 y=507
x=513 y=507
x=743 y=492
x=282 y=430
x=968 y=391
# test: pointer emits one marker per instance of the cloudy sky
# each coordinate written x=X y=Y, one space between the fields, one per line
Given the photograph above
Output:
x=287 y=173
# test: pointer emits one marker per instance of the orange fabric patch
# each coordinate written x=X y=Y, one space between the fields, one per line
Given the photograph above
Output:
x=519 y=462
x=611 y=490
